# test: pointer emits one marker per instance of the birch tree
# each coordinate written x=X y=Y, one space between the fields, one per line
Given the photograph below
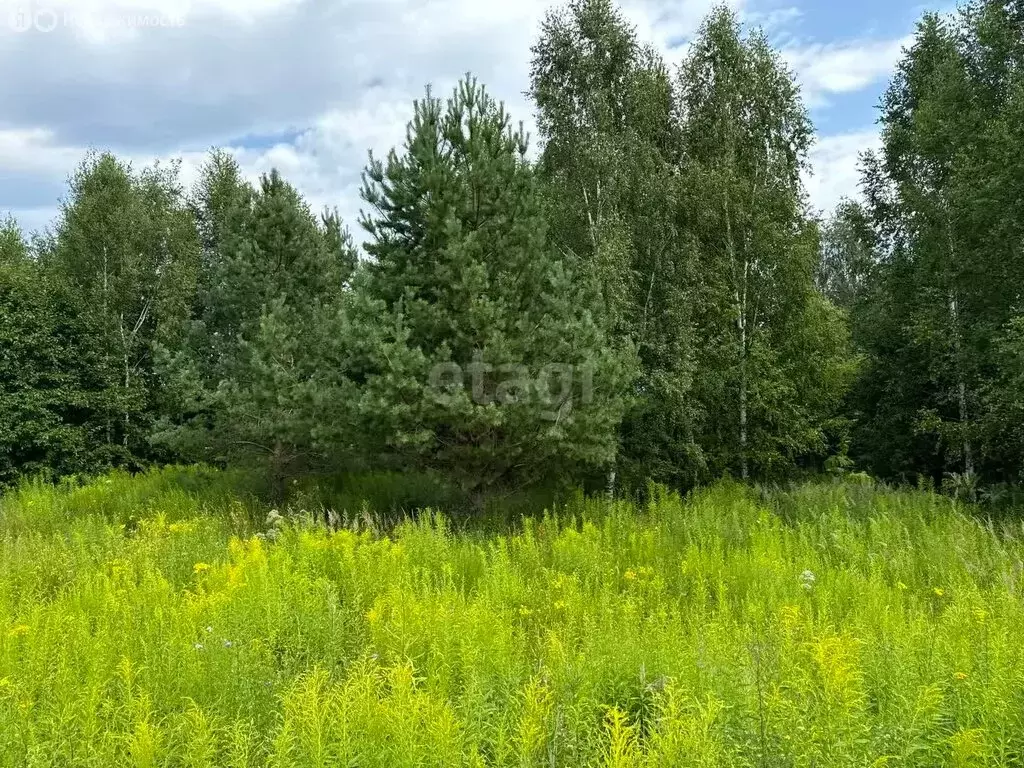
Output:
x=610 y=143
x=126 y=249
x=945 y=191
x=746 y=135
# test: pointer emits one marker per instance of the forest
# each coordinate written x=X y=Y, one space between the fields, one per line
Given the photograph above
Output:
x=647 y=298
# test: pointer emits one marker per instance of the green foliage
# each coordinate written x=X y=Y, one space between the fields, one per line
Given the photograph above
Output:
x=462 y=267
x=848 y=252
x=683 y=198
x=937 y=316
x=1004 y=402
x=48 y=393
x=605 y=113
x=124 y=254
x=270 y=273
x=148 y=621
x=776 y=355
x=652 y=299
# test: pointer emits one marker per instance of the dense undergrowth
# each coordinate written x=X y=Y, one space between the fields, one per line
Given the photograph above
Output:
x=162 y=620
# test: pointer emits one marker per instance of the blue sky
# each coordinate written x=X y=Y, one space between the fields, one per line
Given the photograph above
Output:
x=308 y=86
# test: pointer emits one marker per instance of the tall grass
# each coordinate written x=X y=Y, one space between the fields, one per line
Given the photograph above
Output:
x=146 y=622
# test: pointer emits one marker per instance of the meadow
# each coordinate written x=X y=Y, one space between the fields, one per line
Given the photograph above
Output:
x=168 y=620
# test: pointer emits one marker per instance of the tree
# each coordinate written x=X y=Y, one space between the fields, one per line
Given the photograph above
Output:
x=508 y=379
x=944 y=193
x=338 y=242
x=270 y=273
x=125 y=251
x=771 y=354
x=847 y=254
x=45 y=356
x=1004 y=401
x=221 y=203
x=611 y=145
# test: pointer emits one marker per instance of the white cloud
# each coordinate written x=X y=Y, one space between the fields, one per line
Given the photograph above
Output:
x=773 y=20
x=33 y=150
x=307 y=86
x=326 y=160
x=330 y=79
x=844 y=67
x=668 y=23
x=836 y=168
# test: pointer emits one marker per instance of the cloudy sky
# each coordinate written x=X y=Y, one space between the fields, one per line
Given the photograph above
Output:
x=308 y=86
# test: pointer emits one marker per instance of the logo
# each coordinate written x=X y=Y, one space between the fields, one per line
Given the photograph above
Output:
x=21 y=19
x=38 y=18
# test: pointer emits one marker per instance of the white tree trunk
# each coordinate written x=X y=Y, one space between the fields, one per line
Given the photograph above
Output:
x=740 y=279
x=954 y=312
x=744 y=470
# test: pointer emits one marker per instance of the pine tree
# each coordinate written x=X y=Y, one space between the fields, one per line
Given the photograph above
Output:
x=510 y=379
x=222 y=206
x=271 y=273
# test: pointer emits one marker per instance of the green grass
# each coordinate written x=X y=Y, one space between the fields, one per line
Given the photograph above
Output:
x=149 y=621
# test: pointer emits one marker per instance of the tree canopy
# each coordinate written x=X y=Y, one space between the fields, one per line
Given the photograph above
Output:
x=649 y=296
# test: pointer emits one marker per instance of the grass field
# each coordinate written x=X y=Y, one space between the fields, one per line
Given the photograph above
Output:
x=150 y=621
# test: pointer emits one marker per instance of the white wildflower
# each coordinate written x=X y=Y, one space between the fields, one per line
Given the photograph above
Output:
x=807 y=580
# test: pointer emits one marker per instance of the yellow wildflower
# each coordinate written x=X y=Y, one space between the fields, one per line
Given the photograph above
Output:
x=630 y=575
x=901 y=586
x=18 y=631
x=201 y=567
x=560 y=605
x=939 y=592
x=980 y=614
x=960 y=675
x=790 y=615
x=377 y=611
x=524 y=611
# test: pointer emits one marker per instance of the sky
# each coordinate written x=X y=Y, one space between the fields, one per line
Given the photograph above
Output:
x=309 y=86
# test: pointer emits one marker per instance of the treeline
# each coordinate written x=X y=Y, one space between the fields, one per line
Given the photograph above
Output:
x=930 y=266
x=650 y=299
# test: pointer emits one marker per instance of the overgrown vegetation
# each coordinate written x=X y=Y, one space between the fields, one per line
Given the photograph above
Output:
x=650 y=299
x=649 y=308
x=650 y=304
x=161 y=621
